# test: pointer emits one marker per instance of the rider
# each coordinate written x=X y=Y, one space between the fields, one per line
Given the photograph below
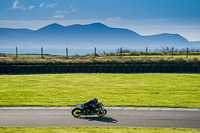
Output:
x=91 y=104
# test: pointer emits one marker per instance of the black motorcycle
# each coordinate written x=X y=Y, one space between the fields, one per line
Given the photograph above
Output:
x=99 y=110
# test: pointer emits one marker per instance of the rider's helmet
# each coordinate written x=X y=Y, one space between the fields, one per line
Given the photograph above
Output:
x=95 y=100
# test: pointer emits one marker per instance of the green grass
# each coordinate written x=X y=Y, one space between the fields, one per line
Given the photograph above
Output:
x=55 y=59
x=104 y=60
x=95 y=130
x=115 y=55
x=168 y=90
x=167 y=56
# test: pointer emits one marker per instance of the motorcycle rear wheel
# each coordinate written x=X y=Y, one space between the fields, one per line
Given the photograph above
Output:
x=102 y=113
x=76 y=112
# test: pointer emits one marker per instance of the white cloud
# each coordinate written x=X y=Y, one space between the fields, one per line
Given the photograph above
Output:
x=42 y=4
x=17 y=5
x=62 y=12
x=71 y=6
x=31 y=7
x=59 y=16
x=69 y=10
x=155 y=20
x=73 y=9
x=59 y=11
x=51 y=5
x=114 y=19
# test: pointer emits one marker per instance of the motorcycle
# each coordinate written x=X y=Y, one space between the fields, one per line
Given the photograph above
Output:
x=79 y=110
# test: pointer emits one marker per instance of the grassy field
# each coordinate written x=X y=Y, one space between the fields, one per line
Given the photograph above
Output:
x=76 y=56
x=154 y=58
x=100 y=59
x=94 y=130
x=91 y=56
x=168 y=90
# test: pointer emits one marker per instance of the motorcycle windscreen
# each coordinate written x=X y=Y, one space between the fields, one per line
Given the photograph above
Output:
x=79 y=105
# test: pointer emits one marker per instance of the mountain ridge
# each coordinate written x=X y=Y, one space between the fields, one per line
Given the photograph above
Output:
x=89 y=35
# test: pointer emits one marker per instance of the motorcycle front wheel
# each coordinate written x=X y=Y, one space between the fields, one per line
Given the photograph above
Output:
x=102 y=113
x=76 y=112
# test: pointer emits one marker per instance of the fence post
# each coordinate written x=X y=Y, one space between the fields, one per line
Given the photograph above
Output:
x=16 y=52
x=120 y=52
x=187 y=53
x=146 y=51
x=172 y=52
x=42 y=52
x=66 y=52
x=95 y=51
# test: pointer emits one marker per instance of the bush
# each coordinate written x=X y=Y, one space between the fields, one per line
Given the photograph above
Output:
x=2 y=55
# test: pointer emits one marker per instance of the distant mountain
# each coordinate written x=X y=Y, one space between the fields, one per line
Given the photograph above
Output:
x=88 y=36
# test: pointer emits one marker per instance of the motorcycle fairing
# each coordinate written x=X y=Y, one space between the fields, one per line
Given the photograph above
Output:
x=79 y=105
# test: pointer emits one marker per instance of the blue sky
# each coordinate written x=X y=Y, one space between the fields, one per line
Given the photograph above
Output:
x=146 y=17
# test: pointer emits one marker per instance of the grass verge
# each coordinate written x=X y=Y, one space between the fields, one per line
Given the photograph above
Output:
x=54 y=59
x=95 y=130
x=161 y=90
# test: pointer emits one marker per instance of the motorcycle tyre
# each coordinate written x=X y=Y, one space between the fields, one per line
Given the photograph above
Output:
x=105 y=112
x=76 y=109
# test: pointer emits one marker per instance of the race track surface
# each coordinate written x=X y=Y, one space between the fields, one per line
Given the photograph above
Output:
x=134 y=118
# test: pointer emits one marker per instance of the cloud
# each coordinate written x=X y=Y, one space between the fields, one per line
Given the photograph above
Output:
x=59 y=11
x=59 y=16
x=17 y=5
x=114 y=19
x=42 y=4
x=155 y=20
x=62 y=12
x=73 y=9
x=31 y=7
x=51 y=5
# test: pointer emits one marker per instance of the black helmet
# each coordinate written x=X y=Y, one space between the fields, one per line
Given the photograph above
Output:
x=95 y=100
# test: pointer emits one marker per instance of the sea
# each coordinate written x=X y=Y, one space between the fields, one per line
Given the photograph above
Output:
x=56 y=51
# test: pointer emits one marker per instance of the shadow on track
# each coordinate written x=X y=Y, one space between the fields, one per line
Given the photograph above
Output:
x=100 y=119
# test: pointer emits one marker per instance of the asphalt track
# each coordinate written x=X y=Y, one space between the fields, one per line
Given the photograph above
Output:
x=115 y=117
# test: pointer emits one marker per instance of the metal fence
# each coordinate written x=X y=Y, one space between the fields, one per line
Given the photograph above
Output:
x=170 y=52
